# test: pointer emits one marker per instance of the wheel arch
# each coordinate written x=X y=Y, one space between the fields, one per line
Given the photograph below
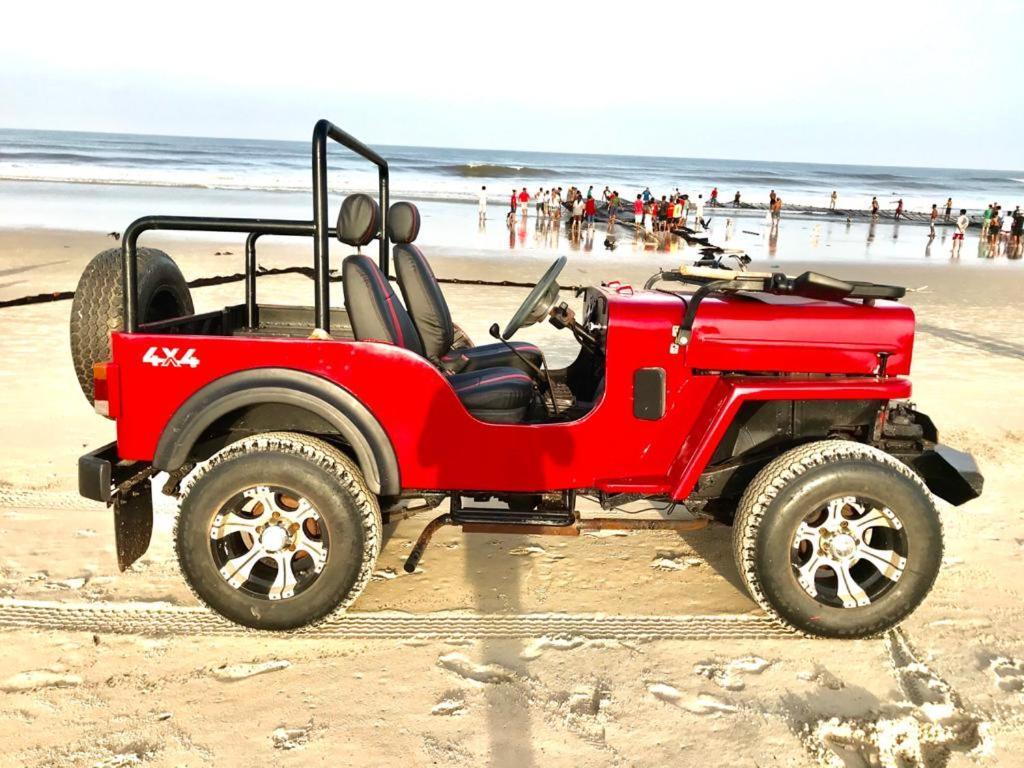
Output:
x=251 y=401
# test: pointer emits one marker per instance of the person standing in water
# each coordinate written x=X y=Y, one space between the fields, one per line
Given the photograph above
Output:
x=949 y=209
x=638 y=212
x=1016 y=230
x=832 y=201
x=963 y=221
x=736 y=199
x=771 y=200
x=713 y=202
x=899 y=210
x=986 y=220
x=577 y=214
x=482 y=204
x=932 y=218
x=524 y=202
x=874 y=208
x=776 y=212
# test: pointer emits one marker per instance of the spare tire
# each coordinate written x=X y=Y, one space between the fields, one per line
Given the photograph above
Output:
x=97 y=309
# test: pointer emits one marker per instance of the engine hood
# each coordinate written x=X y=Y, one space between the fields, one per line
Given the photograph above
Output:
x=766 y=333
x=786 y=334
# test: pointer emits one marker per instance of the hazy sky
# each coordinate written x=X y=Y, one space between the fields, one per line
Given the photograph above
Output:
x=929 y=83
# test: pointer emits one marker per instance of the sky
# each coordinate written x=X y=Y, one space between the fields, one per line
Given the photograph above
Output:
x=899 y=83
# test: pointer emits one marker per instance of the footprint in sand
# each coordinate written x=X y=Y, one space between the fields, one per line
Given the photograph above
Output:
x=727 y=675
x=529 y=549
x=489 y=674
x=922 y=731
x=39 y=678
x=452 y=704
x=822 y=677
x=233 y=672
x=1009 y=673
x=674 y=561
x=702 y=704
x=291 y=738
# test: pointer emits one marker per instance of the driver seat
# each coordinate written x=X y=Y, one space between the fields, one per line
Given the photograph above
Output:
x=429 y=309
x=500 y=395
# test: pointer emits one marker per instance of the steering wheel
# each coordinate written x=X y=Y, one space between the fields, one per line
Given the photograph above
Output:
x=538 y=302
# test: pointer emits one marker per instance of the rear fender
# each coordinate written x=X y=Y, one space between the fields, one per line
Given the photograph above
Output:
x=323 y=399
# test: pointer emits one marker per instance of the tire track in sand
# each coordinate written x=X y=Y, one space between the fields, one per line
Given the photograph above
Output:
x=161 y=619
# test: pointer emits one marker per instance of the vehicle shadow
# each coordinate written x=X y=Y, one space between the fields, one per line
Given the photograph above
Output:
x=714 y=546
x=497 y=581
x=509 y=703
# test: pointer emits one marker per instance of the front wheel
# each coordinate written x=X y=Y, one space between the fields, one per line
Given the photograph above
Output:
x=278 y=531
x=838 y=539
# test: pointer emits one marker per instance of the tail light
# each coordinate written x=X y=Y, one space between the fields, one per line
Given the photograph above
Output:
x=101 y=389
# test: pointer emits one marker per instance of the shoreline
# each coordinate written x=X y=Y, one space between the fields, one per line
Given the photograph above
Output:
x=36 y=261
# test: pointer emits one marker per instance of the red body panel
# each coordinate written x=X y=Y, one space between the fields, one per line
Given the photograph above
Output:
x=792 y=335
x=440 y=446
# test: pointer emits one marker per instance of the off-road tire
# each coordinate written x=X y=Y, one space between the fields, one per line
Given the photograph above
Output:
x=321 y=473
x=779 y=497
x=97 y=308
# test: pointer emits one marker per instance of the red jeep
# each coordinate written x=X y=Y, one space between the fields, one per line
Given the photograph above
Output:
x=291 y=434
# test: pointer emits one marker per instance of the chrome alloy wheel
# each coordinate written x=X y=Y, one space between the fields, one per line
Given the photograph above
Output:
x=269 y=542
x=850 y=552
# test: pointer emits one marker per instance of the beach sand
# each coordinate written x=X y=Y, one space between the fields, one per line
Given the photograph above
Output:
x=950 y=684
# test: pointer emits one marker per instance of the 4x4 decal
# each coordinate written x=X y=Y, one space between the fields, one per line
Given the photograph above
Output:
x=167 y=357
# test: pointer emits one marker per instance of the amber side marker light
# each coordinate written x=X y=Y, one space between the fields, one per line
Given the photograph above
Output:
x=100 y=391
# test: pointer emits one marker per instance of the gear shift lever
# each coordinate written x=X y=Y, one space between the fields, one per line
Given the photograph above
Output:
x=495 y=331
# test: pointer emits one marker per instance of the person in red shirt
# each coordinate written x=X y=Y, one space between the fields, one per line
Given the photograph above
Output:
x=714 y=196
x=638 y=212
x=524 y=201
x=589 y=210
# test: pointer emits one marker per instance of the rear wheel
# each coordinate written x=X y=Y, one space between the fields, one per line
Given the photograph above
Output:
x=278 y=531
x=97 y=308
x=838 y=539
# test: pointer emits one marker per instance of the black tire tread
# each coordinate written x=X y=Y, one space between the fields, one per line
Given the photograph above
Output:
x=324 y=456
x=97 y=307
x=767 y=485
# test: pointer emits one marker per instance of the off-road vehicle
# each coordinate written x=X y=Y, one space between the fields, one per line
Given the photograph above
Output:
x=292 y=434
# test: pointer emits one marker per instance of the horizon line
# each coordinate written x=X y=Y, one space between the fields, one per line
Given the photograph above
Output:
x=521 y=151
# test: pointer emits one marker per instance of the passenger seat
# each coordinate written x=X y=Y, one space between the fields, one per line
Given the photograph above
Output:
x=499 y=395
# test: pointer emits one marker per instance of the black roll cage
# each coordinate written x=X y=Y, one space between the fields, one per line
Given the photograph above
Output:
x=317 y=228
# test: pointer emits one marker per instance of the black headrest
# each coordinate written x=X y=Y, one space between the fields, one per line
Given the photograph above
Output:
x=358 y=220
x=403 y=222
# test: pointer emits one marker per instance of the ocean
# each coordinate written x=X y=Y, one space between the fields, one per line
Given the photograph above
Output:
x=95 y=180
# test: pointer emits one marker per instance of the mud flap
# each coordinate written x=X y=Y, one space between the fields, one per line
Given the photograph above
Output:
x=133 y=522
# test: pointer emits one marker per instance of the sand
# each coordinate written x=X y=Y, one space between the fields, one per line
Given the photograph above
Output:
x=640 y=649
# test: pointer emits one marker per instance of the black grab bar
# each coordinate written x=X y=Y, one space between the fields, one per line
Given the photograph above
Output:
x=323 y=130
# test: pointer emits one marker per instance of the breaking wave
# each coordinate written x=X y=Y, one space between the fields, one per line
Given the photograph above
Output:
x=494 y=171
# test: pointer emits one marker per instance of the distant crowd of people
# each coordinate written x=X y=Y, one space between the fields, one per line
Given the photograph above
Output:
x=652 y=214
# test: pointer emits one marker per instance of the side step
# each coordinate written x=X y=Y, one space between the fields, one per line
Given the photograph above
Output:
x=548 y=522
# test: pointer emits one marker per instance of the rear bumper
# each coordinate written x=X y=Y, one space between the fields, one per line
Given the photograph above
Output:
x=101 y=472
x=96 y=473
x=950 y=474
